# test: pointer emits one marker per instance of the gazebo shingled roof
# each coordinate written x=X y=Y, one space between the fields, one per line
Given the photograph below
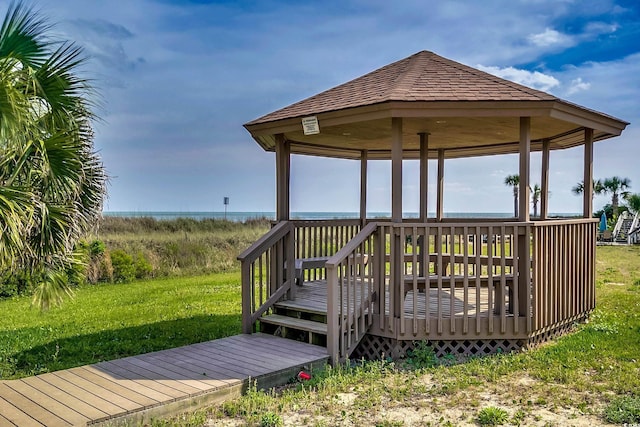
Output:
x=466 y=111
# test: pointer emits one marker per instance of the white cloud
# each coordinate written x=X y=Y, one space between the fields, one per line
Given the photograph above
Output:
x=534 y=79
x=550 y=37
x=578 y=85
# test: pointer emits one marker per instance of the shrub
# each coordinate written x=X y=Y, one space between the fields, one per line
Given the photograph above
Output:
x=422 y=356
x=269 y=419
x=142 y=266
x=492 y=416
x=124 y=269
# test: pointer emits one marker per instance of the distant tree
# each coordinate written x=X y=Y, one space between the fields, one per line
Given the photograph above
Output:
x=598 y=187
x=513 y=181
x=617 y=187
x=633 y=202
x=52 y=183
x=535 y=198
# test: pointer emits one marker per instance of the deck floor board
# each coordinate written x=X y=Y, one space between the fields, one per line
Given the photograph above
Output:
x=52 y=405
x=136 y=386
x=79 y=405
x=312 y=296
x=28 y=406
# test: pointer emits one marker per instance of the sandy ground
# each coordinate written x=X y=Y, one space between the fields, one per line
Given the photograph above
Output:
x=524 y=399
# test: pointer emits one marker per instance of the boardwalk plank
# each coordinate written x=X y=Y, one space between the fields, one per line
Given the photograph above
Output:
x=119 y=389
x=48 y=402
x=285 y=346
x=131 y=385
x=96 y=401
x=187 y=372
x=80 y=406
x=15 y=415
x=97 y=390
x=227 y=369
x=119 y=373
x=150 y=371
x=242 y=363
x=27 y=406
x=5 y=422
x=269 y=358
x=168 y=370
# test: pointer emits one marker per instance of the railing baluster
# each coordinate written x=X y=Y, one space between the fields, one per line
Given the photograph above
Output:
x=452 y=280
x=465 y=284
x=478 y=272
x=490 y=271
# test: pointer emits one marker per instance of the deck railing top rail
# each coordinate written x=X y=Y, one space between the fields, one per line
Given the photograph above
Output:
x=266 y=241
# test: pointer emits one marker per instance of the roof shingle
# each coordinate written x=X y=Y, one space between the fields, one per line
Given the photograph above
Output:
x=423 y=76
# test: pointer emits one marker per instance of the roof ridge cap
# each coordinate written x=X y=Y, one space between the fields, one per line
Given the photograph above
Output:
x=403 y=84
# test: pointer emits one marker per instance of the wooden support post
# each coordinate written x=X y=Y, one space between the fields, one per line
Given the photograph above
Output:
x=524 y=251
x=544 y=191
x=397 y=247
x=363 y=187
x=525 y=152
x=396 y=169
x=440 y=191
x=283 y=175
x=424 y=176
x=587 y=193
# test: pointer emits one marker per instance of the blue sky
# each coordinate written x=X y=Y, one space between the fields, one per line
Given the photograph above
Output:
x=179 y=78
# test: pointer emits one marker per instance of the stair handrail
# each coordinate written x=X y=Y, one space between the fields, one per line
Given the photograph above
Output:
x=341 y=321
x=634 y=227
x=619 y=223
x=276 y=251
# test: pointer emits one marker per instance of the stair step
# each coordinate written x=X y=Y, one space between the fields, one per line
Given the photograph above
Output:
x=303 y=307
x=294 y=323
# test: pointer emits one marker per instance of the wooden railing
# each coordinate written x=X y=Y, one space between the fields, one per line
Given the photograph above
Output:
x=563 y=272
x=322 y=238
x=351 y=280
x=453 y=279
x=267 y=269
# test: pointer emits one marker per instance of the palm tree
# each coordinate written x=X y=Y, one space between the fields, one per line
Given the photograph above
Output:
x=598 y=187
x=513 y=181
x=616 y=186
x=535 y=198
x=633 y=202
x=52 y=182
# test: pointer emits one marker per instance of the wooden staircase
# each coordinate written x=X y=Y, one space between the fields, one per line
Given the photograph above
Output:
x=298 y=321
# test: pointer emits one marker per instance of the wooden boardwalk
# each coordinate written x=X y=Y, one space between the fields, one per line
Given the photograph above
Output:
x=154 y=384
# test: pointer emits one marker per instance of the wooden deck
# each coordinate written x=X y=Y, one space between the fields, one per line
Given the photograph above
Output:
x=154 y=384
x=312 y=298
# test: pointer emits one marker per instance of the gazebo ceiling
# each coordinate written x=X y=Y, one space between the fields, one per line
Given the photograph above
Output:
x=465 y=111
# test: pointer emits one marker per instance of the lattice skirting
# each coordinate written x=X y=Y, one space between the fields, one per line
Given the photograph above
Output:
x=373 y=347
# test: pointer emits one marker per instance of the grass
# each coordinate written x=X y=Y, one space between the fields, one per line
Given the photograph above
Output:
x=591 y=374
x=112 y=321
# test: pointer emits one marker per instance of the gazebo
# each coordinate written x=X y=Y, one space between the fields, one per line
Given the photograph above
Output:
x=371 y=287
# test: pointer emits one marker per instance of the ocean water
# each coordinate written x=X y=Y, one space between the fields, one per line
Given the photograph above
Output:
x=244 y=216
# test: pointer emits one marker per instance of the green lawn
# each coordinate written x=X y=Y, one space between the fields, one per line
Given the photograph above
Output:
x=105 y=322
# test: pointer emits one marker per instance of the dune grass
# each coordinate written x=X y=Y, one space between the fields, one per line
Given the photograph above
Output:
x=110 y=321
